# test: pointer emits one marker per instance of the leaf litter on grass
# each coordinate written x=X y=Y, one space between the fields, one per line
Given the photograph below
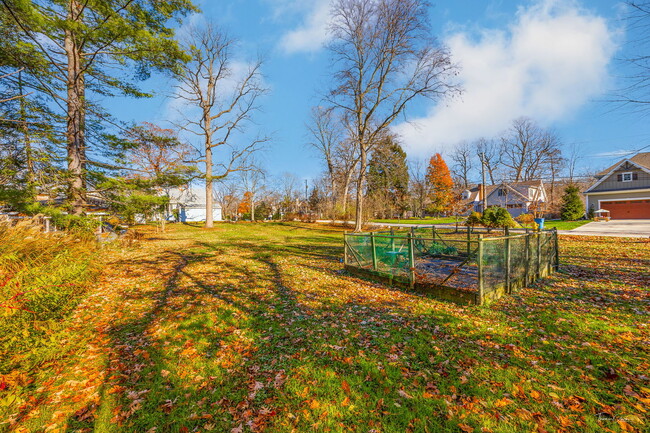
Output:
x=254 y=328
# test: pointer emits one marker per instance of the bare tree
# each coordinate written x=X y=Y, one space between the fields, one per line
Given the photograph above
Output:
x=253 y=182
x=289 y=190
x=386 y=59
x=225 y=194
x=225 y=102
x=326 y=135
x=528 y=151
x=636 y=92
x=463 y=158
x=573 y=157
x=346 y=162
x=490 y=152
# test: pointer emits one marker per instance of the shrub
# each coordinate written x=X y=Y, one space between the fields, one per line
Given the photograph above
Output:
x=497 y=217
x=527 y=220
x=572 y=206
x=81 y=225
x=474 y=219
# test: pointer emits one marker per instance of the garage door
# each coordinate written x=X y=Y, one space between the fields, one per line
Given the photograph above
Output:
x=627 y=209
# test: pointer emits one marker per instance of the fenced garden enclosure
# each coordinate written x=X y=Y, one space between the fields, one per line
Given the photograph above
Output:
x=465 y=265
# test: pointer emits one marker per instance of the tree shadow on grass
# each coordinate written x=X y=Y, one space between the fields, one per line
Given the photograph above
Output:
x=266 y=339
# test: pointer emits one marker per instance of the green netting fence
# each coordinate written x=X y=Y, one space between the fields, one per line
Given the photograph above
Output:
x=460 y=264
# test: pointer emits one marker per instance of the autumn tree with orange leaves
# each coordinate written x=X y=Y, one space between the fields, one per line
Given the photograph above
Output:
x=441 y=185
x=245 y=205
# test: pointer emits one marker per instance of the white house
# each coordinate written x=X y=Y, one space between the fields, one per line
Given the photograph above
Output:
x=190 y=203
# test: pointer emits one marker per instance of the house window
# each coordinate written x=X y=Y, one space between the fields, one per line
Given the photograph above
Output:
x=502 y=192
x=627 y=177
x=514 y=206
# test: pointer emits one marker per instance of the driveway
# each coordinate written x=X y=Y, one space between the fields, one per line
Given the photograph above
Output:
x=619 y=228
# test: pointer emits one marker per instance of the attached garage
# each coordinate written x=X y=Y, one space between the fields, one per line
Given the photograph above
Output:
x=623 y=189
x=627 y=209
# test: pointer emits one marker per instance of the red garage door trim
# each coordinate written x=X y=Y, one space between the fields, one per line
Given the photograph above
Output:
x=637 y=208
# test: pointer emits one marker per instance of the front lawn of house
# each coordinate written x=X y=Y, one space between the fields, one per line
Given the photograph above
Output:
x=254 y=327
x=428 y=220
x=564 y=225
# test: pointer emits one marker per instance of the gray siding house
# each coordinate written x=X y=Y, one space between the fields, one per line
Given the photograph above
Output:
x=517 y=197
x=623 y=189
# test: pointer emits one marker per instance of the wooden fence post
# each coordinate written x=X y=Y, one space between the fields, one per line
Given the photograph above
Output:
x=345 y=248
x=411 y=260
x=469 y=241
x=557 y=250
x=508 y=288
x=539 y=255
x=527 y=269
x=374 y=251
x=481 y=275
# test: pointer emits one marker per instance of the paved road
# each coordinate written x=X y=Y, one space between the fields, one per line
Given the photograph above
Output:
x=616 y=228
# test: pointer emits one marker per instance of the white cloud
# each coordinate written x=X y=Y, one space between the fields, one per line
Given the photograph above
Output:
x=313 y=33
x=549 y=62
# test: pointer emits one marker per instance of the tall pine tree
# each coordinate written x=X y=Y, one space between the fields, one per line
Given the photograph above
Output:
x=572 y=206
x=79 y=47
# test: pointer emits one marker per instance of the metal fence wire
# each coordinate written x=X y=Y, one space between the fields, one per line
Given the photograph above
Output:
x=485 y=263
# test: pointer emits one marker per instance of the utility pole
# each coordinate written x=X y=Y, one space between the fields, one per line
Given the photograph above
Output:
x=483 y=189
x=306 y=197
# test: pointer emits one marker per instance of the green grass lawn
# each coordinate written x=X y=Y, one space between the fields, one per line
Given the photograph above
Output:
x=253 y=327
x=431 y=220
x=564 y=225
x=548 y=224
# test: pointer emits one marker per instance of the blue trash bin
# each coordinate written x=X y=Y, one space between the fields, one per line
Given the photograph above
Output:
x=540 y=223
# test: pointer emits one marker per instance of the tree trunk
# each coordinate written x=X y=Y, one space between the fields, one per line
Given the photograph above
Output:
x=209 y=200
x=346 y=190
x=252 y=208
x=209 y=223
x=75 y=136
x=358 y=222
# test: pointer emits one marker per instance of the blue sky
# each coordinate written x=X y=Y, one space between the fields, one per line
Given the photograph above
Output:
x=554 y=61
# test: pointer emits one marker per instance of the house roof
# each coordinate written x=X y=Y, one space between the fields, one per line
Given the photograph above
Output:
x=642 y=159
x=489 y=189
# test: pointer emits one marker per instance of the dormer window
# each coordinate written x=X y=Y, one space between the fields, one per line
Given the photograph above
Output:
x=627 y=177
x=502 y=192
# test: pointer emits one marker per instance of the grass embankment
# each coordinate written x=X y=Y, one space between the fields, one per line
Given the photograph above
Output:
x=253 y=327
